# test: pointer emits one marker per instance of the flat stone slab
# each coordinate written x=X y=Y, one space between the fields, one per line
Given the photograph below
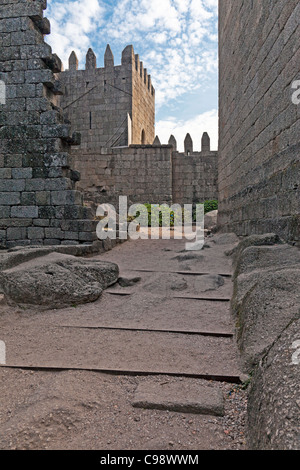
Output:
x=186 y=273
x=120 y=351
x=139 y=312
x=181 y=396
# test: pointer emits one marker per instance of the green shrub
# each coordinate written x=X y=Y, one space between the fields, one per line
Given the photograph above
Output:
x=165 y=213
x=210 y=206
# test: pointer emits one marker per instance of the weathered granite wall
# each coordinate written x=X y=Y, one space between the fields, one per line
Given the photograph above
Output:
x=38 y=200
x=259 y=149
x=195 y=176
x=266 y=312
x=154 y=174
x=142 y=173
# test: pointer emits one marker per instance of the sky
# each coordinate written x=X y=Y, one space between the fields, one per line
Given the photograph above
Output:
x=177 y=40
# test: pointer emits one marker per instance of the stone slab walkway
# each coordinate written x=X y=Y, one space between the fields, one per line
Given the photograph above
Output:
x=173 y=324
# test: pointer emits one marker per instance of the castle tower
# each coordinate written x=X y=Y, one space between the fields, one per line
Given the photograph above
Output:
x=113 y=106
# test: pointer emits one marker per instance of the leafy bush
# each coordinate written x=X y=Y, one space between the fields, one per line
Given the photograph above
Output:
x=210 y=206
x=165 y=213
x=173 y=216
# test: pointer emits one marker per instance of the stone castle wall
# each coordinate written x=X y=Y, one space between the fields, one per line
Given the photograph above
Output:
x=195 y=177
x=154 y=174
x=38 y=200
x=142 y=173
x=110 y=106
x=259 y=149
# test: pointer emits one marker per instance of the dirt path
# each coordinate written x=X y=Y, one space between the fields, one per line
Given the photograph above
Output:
x=109 y=375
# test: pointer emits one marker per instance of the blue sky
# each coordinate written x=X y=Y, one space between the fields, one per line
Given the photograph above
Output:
x=177 y=40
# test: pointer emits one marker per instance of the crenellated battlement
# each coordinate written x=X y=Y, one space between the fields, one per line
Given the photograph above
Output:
x=189 y=145
x=129 y=58
x=112 y=105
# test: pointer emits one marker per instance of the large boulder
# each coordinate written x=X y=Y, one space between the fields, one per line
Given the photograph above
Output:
x=210 y=220
x=266 y=309
x=273 y=401
x=266 y=294
x=267 y=239
x=258 y=258
x=225 y=239
x=57 y=280
x=264 y=303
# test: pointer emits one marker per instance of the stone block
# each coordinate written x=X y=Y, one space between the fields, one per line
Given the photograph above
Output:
x=24 y=212
x=57 y=160
x=35 y=184
x=36 y=233
x=43 y=198
x=16 y=233
x=56 y=233
x=28 y=198
x=57 y=184
x=5 y=173
x=183 y=397
x=63 y=198
x=10 y=185
x=21 y=173
x=4 y=212
x=41 y=222
x=10 y=198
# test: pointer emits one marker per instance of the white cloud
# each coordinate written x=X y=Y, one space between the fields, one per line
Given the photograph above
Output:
x=199 y=11
x=173 y=37
x=213 y=4
x=72 y=23
x=205 y=122
x=182 y=5
x=180 y=31
x=158 y=38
